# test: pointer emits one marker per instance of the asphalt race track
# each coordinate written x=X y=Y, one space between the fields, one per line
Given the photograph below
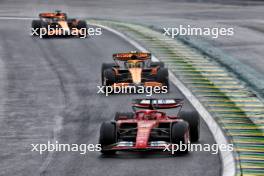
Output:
x=50 y=93
x=48 y=87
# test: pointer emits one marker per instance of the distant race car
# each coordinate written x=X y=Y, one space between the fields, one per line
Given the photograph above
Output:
x=60 y=23
x=150 y=128
x=134 y=68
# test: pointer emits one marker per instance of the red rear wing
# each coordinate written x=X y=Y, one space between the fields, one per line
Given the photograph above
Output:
x=129 y=56
x=157 y=103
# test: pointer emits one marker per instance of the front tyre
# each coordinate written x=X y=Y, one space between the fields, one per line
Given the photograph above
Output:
x=104 y=67
x=109 y=77
x=179 y=136
x=124 y=115
x=163 y=77
x=108 y=136
x=157 y=64
x=193 y=118
x=36 y=26
x=82 y=27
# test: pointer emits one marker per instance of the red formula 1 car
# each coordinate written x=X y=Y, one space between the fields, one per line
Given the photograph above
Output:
x=148 y=128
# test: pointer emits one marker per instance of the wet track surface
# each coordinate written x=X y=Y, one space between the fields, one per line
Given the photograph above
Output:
x=246 y=16
x=48 y=87
x=50 y=93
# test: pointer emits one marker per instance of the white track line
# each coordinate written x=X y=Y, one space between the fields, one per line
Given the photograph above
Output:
x=3 y=83
x=15 y=18
x=56 y=129
x=227 y=157
x=58 y=119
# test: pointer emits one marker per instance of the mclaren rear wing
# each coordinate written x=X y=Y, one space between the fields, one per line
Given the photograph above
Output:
x=132 y=55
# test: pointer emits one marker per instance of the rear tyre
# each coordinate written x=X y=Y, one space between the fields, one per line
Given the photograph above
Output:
x=124 y=115
x=36 y=26
x=81 y=26
x=46 y=36
x=193 y=118
x=109 y=77
x=71 y=21
x=156 y=64
x=45 y=26
x=163 y=77
x=108 y=136
x=180 y=135
x=104 y=67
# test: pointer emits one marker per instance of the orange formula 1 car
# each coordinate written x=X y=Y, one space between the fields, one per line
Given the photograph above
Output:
x=134 y=69
x=58 y=24
x=152 y=126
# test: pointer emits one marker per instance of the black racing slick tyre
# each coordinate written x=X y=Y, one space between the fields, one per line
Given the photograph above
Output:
x=36 y=26
x=108 y=136
x=70 y=21
x=193 y=118
x=163 y=77
x=109 y=77
x=81 y=25
x=124 y=115
x=104 y=67
x=156 y=64
x=179 y=135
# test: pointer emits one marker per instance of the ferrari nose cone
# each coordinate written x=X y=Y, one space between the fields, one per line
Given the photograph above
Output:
x=141 y=144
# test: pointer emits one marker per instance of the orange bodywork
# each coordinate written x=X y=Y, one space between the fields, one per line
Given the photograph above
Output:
x=153 y=84
x=135 y=71
x=136 y=74
x=63 y=27
x=59 y=25
x=52 y=15
x=135 y=65
x=145 y=84
x=127 y=56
